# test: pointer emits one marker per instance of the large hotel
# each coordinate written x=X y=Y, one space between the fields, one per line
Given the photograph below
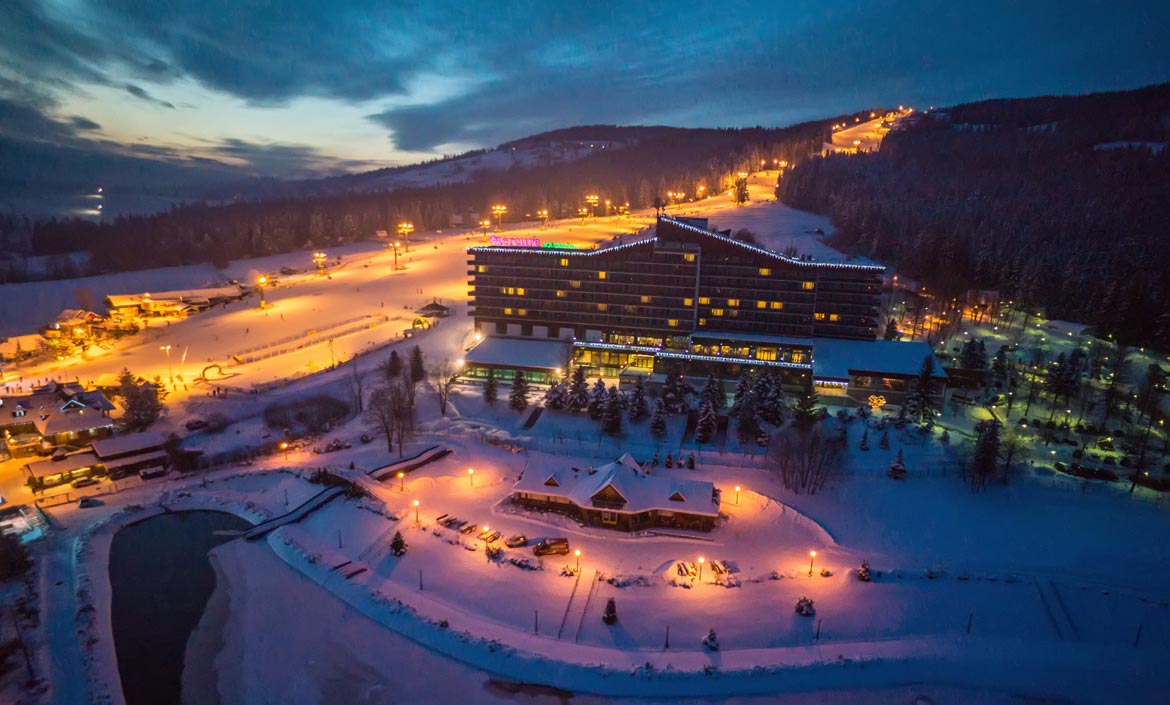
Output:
x=688 y=299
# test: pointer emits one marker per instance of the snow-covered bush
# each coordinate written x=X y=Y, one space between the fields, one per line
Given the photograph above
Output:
x=711 y=642
x=863 y=573
x=804 y=607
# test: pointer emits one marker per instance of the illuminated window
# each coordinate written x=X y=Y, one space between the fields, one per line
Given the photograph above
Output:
x=507 y=312
x=776 y=305
x=689 y=258
x=602 y=307
x=481 y=268
x=673 y=323
x=733 y=302
x=519 y=292
x=522 y=311
x=834 y=317
x=761 y=304
x=601 y=275
x=766 y=354
x=575 y=284
x=716 y=312
x=704 y=300
x=560 y=294
x=765 y=272
x=688 y=302
x=819 y=316
x=645 y=299
x=564 y=261
x=808 y=286
x=702 y=321
x=798 y=356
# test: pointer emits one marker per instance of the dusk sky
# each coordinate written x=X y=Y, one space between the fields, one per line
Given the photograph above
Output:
x=294 y=88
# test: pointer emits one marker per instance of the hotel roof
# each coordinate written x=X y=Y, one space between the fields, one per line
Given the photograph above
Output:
x=523 y=353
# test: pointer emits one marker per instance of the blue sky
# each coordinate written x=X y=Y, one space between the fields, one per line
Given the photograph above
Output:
x=292 y=88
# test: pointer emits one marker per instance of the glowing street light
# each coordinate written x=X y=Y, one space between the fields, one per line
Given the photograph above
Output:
x=498 y=211
x=471 y=476
x=577 y=553
x=284 y=447
x=737 y=495
x=319 y=260
x=812 y=556
x=401 y=481
x=543 y=215
x=261 y=282
x=416 y=522
x=701 y=562
x=484 y=225
x=592 y=200
x=171 y=369
x=396 y=246
x=404 y=230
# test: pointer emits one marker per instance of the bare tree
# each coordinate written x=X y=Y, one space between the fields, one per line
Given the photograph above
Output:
x=442 y=377
x=380 y=415
x=805 y=460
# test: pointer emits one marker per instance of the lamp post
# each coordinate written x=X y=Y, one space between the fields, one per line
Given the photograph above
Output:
x=401 y=481
x=405 y=229
x=701 y=562
x=416 y=522
x=812 y=556
x=396 y=246
x=471 y=477
x=284 y=447
x=498 y=211
x=737 y=495
x=577 y=553
x=543 y=215
x=484 y=225
x=592 y=200
x=170 y=368
x=319 y=260
x=261 y=282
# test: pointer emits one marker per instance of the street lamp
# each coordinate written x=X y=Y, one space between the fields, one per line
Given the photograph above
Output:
x=401 y=481
x=405 y=229
x=284 y=447
x=812 y=556
x=737 y=495
x=701 y=562
x=543 y=215
x=498 y=211
x=170 y=368
x=577 y=553
x=319 y=259
x=471 y=476
x=416 y=522
x=396 y=246
x=261 y=282
x=592 y=199
x=485 y=224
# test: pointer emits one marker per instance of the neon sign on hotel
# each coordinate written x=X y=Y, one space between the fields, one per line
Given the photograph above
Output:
x=498 y=241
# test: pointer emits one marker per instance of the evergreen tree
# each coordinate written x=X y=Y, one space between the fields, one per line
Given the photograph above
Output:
x=806 y=413
x=638 y=406
x=518 y=398
x=393 y=365
x=140 y=401
x=578 y=390
x=597 y=399
x=491 y=388
x=418 y=370
x=748 y=427
x=658 y=420
x=611 y=422
x=973 y=355
x=743 y=387
x=892 y=330
x=398 y=544
x=918 y=397
x=999 y=364
x=556 y=397
x=675 y=391
x=708 y=421
x=986 y=455
x=713 y=394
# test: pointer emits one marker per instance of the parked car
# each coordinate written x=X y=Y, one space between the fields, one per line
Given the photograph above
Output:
x=87 y=502
x=196 y=424
x=85 y=482
x=516 y=541
x=551 y=547
x=151 y=473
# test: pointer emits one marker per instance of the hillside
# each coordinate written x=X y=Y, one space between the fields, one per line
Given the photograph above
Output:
x=552 y=171
x=1056 y=201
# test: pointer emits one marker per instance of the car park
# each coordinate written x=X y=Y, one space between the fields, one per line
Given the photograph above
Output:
x=551 y=547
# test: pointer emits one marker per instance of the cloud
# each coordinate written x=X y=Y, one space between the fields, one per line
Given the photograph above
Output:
x=142 y=94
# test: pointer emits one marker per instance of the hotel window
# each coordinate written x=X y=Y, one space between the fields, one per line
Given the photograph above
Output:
x=575 y=284
x=761 y=304
x=602 y=307
x=519 y=291
x=834 y=317
x=716 y=312
x=688 y=258
x=688 y=302
x=798 y=356
x=766 y=353
x=702 y=321
x=507 y=312
x=733 y=302
x=560 y=294
x=645 y=299
x=819 y=316
x=704 y=300
x=481 y=268
x=522 y=312
x=564 y=261
x=808 y=286
x=673 y=323
x=601 y=275
x=765 y=272
x=777 y=305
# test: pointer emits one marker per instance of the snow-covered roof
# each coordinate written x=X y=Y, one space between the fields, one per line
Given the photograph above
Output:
x=213 y=293
x=157 y=458
x=50 y=423
x=523 y=353
x=77 y=461
x=640 y=491
x=837 y=359
x=127 y=443
x=27 y=343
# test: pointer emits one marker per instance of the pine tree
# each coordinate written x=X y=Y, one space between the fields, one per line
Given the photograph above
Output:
x=748 y=428
x=918 y=398
x=518 y=398
x=418 y=370
x=708 y=420
x=393 y=366
x=597 y=399
x=556 y=397
x=806 y=413
x=674 y=392
x=713 y=394
x=658 y=420
x=743 y=387
x=971 y=357
x=985 y=457
x=611 y=422
x=999 y=364
x=578 y=390
x=491 y=388
x=892 y=330
x=398 y=544
x=638 y=407
x=140 y=401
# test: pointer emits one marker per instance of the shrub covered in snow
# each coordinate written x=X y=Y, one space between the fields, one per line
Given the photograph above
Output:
x=863 y=573
x=804 y=607
x=711 y=642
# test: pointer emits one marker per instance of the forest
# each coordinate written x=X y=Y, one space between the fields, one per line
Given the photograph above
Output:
x=1057 y=202
x=653 y=160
